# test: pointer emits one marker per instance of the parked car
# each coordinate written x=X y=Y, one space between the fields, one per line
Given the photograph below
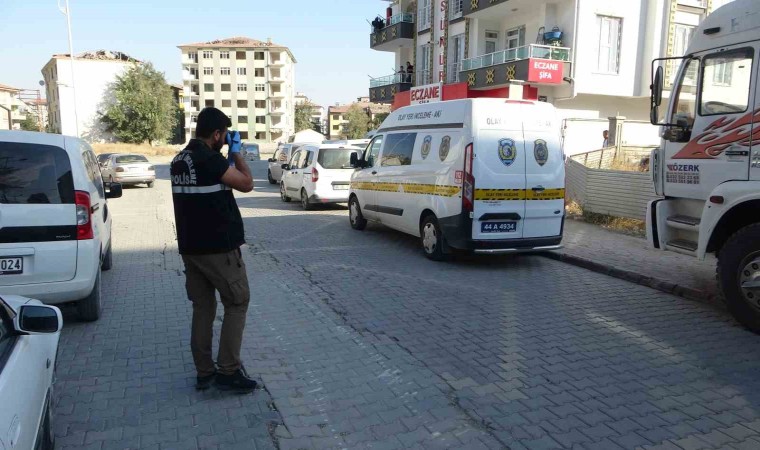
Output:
x=55 y=226
x=29 y=333
x=103 y=157
x=281 y=156
x=128 y=169
x=250 y=151
x=318 y=174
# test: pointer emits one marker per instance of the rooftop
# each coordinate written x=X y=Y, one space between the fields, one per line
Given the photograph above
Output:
x=101 y=55
x=6 y=88
x=238 y=42
x=375 y=108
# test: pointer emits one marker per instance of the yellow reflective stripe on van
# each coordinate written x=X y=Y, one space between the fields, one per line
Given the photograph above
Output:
x=519 y=194
x=408 y=188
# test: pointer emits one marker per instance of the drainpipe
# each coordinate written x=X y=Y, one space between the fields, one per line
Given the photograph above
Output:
x=571 y=79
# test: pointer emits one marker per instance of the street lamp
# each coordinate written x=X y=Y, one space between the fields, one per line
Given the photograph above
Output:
x=67 y=12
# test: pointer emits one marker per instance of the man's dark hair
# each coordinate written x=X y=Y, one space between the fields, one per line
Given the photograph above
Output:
x=210 y=120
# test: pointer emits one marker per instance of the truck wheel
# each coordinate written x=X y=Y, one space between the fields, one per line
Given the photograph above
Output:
x=108 y=259
x=269 y=177
x=431 y=238
x=305 y=201
x=89 y=307
x=738 y=276
x=358 y=222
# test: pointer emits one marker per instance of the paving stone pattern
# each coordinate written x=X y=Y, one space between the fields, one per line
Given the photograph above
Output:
x=363 y=343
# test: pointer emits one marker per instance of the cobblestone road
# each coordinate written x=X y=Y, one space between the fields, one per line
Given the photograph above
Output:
x=363 y=343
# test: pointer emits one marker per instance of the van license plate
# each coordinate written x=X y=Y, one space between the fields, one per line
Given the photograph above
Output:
x=498 y=227
x=11 y=266
x=340 y=187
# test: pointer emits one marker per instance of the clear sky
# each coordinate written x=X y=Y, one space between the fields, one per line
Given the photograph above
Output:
x=330 y=39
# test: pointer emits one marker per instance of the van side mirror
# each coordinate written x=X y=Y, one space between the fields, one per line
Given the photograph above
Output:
x=354 y=160
x=38 y=319
x=113 y=190
x=285 y=167
x=655 y=99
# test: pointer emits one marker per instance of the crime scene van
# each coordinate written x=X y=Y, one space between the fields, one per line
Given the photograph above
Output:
x=481 y=175
x=707 y=168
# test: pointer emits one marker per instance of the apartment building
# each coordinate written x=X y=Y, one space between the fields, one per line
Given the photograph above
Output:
x=337 y=120
x=590 y=58
x=252 y=81
x=94 y=72
x=9 y=107
x=317 y=112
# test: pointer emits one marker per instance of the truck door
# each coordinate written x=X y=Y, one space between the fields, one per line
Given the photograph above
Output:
x=754 y=166
x=713 y=103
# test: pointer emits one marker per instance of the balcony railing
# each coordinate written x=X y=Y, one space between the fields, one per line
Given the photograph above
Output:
x=422 y=77
x=514 y=54
x=398 y=18
x=396 y=78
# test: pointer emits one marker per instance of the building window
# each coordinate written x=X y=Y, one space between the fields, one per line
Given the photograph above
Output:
x=423 y=75
x=208 y=87
x=336 y=127
x=193 y=56
x=492 y=38
x=208 y=54
x=260 y=136
x=243 y=135
x=194 y=104
x=258 y=56
x=423 y=15
x=242 y=119
x=259 y=87
x=225 y=70
x=261 y=119
x=208 y=71
x=258 y=73
x=242 y=103
x=224 y=55
x=241 y=71
x=226 y=103
x=336 y=117
x=398 y=149
x=609 y=44
x=515 y=38
x=242 y=87
x=240 y=55
x=209 y=103
x=226 y=87
x=260 y=104
x=193 y=118
x=457 y=7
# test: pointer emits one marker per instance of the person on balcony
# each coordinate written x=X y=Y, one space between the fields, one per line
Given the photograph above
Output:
x=409 y=72
x=378 y=24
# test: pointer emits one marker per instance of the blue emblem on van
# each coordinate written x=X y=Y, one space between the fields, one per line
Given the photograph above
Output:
x=426 y=145
x=507 y=151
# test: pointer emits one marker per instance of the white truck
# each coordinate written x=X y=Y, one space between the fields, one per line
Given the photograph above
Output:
x=708 y=167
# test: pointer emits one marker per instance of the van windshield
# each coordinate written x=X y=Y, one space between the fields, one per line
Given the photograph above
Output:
x=126 y=159
x=335 y=158
x=35 y=174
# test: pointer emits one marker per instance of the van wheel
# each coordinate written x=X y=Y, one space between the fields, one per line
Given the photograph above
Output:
x=151 y=184
x=358 y=222
x=305 y=201
x=738 y=275
x=89 y=308
x=269 y=177
x=108 y=258
x=283 y=196
x=431 y=238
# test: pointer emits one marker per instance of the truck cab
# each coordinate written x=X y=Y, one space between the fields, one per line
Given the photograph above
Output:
x=707 y=169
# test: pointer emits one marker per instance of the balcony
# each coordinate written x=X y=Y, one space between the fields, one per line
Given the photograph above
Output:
x=475 y=6
x=535 y=64
x=382 y=90
x=276 y=61
x=390 y=37
x=276 y=94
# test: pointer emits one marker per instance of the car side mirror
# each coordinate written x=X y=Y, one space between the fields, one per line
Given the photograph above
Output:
x=285 y=167
x=113 y=190
x=38 y=319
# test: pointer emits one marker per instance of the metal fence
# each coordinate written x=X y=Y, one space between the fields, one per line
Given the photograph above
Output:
x=514 y=54
x=598 y=189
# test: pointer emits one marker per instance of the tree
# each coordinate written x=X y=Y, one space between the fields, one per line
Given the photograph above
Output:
x=358 y=122
x=30 y=123
x=378 y=120
x=303 y=116
x=142 y=106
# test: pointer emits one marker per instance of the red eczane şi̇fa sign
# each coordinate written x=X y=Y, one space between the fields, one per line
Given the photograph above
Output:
x=545 y=71
x=425 y=94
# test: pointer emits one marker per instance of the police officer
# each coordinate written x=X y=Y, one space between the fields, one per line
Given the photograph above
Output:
x=209 y=234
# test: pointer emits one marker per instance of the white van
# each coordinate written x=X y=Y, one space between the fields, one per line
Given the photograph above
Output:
x=318 y=174
x=482 y=175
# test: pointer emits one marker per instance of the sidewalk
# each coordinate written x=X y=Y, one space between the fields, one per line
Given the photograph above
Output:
x=630 y=258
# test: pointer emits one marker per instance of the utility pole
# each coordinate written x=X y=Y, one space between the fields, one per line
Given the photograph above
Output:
x=67 y=12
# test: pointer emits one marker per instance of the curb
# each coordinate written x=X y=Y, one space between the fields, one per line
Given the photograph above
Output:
x=667 y=287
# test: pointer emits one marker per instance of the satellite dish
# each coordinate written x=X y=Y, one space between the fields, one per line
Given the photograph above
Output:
x=42 y=82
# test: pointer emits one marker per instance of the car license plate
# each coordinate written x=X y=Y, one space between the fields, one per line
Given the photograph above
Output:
x=498 y=227
x=340 y=187
x=12 y=265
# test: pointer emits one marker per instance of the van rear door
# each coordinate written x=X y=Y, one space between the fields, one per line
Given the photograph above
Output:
x=544 y=173
x=499 y=172
x=38 y=225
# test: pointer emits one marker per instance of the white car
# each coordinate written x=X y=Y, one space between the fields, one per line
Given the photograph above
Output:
x=55 y=225
x=281 y=156
x=128 y=169
x=318 y=174
x=29 y=333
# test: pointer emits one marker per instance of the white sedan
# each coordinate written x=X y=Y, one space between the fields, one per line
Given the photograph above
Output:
x=29 y=333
